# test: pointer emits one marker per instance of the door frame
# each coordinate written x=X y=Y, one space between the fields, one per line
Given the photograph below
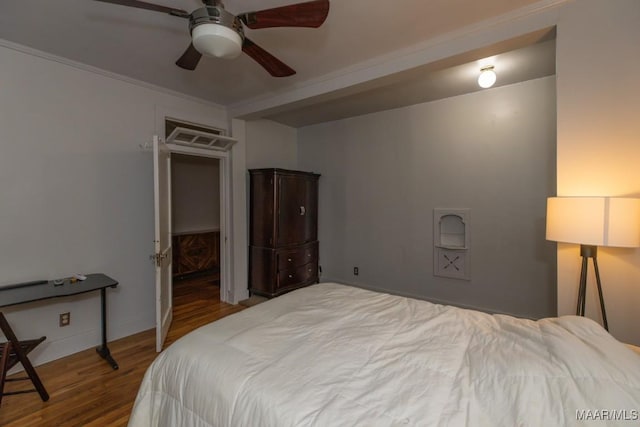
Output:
x=225 y=212
x=216 y=121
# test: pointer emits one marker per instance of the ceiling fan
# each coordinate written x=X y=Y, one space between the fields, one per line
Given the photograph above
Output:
x=216 y=32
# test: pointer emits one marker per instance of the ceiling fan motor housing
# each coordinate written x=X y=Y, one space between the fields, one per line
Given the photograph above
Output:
x=216 y=32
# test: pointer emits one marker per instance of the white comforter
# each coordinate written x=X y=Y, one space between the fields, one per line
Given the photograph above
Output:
x=333 y=355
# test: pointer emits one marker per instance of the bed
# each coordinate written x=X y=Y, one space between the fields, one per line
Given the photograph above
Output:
x=336 y=355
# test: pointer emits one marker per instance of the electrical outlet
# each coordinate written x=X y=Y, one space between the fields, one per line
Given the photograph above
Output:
x=356 y=271
x=65 y=319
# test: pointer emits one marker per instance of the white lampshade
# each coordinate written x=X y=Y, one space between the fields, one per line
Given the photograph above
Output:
x=597 y=221
x=216 y=40
x=487 y=77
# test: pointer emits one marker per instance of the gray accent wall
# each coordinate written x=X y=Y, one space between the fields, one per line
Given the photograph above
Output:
x=493 y=152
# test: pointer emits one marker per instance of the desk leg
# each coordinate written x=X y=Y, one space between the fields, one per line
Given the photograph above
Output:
x=103 y=350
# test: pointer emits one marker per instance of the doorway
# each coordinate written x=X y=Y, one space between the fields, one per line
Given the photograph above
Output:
x=195 y=215
x=188 y=144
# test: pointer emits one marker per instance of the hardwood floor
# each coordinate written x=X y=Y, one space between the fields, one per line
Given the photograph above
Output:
x=85 y=391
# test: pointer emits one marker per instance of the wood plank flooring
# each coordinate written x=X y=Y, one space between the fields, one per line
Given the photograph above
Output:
x=85 y=391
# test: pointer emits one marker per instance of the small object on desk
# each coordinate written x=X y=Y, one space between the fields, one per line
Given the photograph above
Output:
x=73 y=280
x=58 y=282
x=80 y=277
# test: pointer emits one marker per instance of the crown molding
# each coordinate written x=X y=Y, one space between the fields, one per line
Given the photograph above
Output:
x=104 y=73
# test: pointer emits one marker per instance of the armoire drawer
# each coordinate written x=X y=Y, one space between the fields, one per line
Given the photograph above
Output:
x=297 y=275
x=291 y=258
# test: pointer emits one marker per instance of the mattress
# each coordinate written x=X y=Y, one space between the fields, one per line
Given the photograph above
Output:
x=335 y=355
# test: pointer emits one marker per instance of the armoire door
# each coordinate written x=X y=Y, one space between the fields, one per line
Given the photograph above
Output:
x=297 y=205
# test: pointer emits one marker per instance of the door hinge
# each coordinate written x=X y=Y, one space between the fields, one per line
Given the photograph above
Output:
x=157 y=258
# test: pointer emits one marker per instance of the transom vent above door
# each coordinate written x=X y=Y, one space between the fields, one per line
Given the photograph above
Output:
x=196 y=136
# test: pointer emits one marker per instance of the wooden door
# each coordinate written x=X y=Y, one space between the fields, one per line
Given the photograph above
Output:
x=162 y=241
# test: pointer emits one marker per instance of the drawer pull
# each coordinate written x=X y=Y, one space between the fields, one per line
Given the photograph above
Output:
x=309 y=270
x=291 y=276
x=302 y=210
x=308 y=255
x=289 y=259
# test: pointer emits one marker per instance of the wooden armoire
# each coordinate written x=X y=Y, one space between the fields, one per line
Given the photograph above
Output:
x=283 y=230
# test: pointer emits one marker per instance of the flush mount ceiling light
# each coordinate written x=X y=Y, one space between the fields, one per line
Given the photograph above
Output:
x=487 y=77
x=216 y=32
x=216 y=40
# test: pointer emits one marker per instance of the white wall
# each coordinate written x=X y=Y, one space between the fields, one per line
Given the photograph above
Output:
x=195 y=192
x=383 y=174
x=271 y=145
x=262 y=144
x=598 y=59
x=76 y=193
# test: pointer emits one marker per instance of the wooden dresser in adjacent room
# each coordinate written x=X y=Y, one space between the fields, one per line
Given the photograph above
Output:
x=283 y=251
x=196 y=252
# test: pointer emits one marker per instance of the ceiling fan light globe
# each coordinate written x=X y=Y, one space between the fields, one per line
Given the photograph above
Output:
x=216 y=40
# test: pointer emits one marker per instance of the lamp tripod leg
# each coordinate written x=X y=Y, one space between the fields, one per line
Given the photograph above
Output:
x=582 y=289
x=604 y=313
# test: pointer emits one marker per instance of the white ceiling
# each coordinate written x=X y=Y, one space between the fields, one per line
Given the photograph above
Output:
x=144 y=45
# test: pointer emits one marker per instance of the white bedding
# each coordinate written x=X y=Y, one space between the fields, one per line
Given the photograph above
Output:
x=333 y=355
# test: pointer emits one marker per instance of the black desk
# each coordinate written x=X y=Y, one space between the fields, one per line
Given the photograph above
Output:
x=37 y=291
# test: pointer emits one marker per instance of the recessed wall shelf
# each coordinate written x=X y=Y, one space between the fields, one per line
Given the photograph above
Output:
x=451 y=243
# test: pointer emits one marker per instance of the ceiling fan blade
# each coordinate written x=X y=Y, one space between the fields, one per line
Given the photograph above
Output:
x=149 y=6
x=189 y=59
x=273 y=65
x=310 y=14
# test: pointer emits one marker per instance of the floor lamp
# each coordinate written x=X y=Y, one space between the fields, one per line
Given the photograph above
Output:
x=592 y=222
